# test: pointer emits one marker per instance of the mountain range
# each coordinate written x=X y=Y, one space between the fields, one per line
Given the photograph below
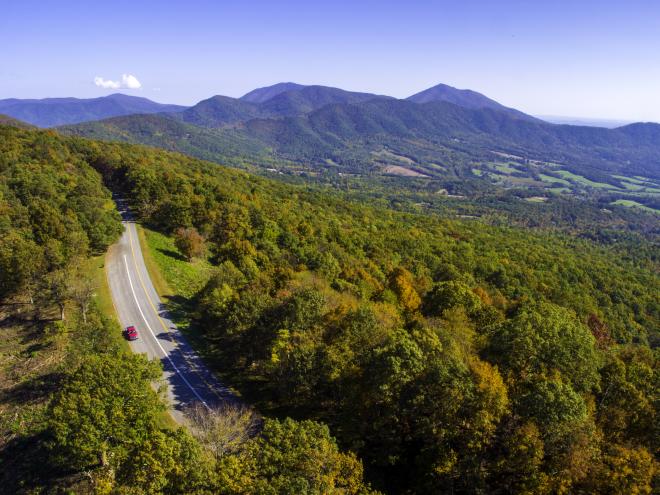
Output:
x=51 y=112
x=433 y=131
x=279 y=100
x=441 y=133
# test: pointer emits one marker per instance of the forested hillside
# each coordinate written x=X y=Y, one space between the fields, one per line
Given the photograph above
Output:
x=220 y=111
x=78 y=413
x=325 y=132
x=449 y=355
x=54 y=211
x=464 y=98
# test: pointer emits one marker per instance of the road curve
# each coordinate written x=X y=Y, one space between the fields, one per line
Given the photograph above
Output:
x=136 y=302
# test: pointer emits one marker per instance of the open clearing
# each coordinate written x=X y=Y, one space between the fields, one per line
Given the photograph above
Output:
x=554 y=180
x=633 y=204
x=402 y=171
x=584 y=181
x=387 y=154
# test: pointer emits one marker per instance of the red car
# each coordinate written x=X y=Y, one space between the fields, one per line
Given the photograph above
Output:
x=131 y=333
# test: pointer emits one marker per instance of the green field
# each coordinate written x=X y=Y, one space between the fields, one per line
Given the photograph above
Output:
x=632 y=187
x=559 y=190
x=507 y=168
x=633 y=204
x=549 y=179
x=634 y=180
x=387 y=154
x=536 y=199
x=583 y=180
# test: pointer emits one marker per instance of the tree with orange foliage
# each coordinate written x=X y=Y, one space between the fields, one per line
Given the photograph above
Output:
x=401 y=282
x=189 y=242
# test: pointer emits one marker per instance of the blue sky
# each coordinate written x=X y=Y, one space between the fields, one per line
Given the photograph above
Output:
x=598 y=59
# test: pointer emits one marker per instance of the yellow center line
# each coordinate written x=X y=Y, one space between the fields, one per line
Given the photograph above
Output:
x=165 y=327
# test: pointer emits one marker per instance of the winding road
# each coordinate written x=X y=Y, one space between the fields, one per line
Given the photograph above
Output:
x=137 y=303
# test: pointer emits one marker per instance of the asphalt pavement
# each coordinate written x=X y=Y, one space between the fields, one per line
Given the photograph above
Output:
x=137 y=303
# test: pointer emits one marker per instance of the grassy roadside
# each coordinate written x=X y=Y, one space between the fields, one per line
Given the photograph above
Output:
x=160 y=284
x=95 y=267
x=175 y=279
x=168 y=269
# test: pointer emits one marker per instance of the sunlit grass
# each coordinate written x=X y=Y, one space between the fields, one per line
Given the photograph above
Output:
x=584 y=181
x=169 y=271
x=629 y=203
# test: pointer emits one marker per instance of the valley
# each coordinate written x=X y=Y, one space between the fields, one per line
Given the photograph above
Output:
x=450 y=137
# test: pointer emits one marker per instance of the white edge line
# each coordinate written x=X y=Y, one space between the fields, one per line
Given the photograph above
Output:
x=156 y=339
x=180 y=344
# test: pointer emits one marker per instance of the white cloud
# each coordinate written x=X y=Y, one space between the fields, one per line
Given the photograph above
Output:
x=128 y=81
x=102 y=83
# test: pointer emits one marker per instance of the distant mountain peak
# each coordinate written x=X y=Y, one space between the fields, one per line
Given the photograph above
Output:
x=465 y=98
x=261 y=95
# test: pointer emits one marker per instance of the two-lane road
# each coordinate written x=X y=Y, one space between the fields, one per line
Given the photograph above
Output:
x=137 y=303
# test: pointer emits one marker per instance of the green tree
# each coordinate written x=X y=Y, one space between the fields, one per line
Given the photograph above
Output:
x=627 y=402
x=104 y=410
x=543 y=337
x=58 y=289
x=447 y=295
x=292 y=457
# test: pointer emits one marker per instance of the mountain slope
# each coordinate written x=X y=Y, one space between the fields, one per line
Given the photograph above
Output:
x=50 y=112
x=218 y=111
x=438 y=124
x=384 y=135
x=464 y=98
x=6 y=120
x=309 y=98
x=170 y=133
x=260 y=95
x=222 y=111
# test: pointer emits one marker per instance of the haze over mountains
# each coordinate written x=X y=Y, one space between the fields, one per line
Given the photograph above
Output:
x=50 y=112
x=585 y=121
x=278 y=100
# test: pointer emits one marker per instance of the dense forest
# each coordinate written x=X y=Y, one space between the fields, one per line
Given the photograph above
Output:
x=78 y=413
x=446 y=355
